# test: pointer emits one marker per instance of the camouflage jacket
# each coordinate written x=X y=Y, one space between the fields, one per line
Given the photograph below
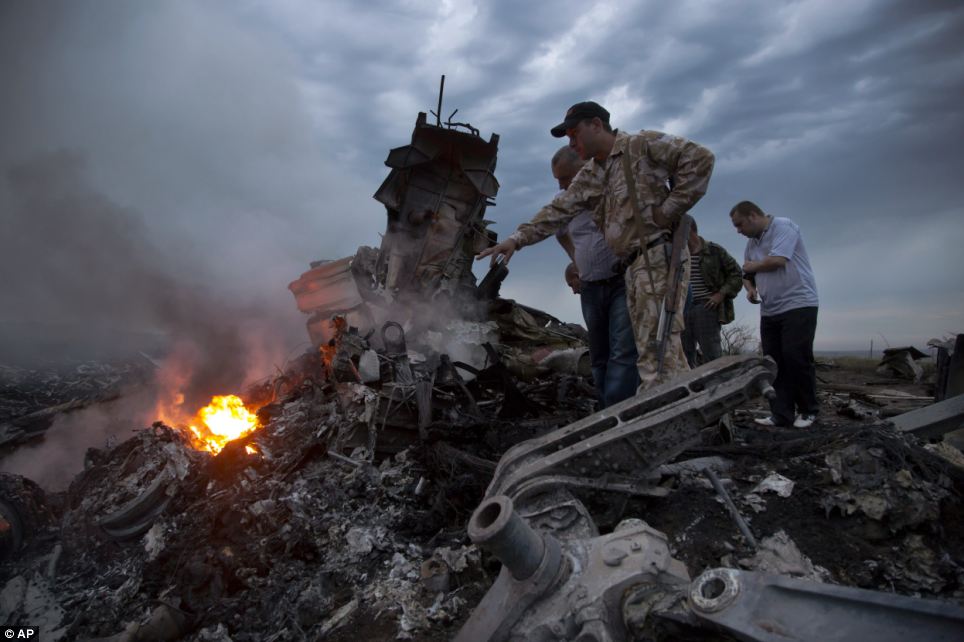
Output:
x=658 y=160
x=721 y=273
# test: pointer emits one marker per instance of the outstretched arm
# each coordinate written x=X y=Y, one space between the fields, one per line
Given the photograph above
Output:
x=583 y=194
x=504 y=249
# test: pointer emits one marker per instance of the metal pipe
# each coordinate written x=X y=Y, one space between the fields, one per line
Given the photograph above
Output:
x=734 y=512
x=766 y=390
x=343 y=459
x=496 y=527
x=438 y=114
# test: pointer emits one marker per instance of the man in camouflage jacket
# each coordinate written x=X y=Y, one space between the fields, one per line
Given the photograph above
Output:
x=715 y=280
x=669 y=174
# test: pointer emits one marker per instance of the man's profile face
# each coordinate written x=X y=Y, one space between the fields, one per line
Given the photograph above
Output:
x=582 y=138
x=749 y=226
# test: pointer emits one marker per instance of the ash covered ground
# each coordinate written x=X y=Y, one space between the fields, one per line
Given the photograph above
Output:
x=339 y=519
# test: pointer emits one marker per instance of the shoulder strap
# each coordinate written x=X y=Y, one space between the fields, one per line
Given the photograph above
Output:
x=640 y=227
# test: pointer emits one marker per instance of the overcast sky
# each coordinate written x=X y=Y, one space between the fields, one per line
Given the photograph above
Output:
x=223 y=145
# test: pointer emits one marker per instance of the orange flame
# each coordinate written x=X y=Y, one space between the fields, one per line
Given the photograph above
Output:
x=328 y=355
x=224 y=419
x=330 y=350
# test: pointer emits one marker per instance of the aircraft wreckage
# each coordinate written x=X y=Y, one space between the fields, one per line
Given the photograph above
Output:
x=426 y=403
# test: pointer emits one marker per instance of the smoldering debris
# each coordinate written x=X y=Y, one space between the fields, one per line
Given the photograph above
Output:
x=314 y=526
x=30 y=399
x=339 y=539
x=88 y=271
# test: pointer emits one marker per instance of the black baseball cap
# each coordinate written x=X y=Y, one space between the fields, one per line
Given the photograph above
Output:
x=578 y=113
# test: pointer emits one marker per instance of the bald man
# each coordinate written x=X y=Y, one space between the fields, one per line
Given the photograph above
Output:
x=785 y=288
x=602 y=294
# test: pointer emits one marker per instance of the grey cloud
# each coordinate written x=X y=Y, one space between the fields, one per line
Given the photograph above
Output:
x=84 y=268
x=159 y=174
x=846 y=164
x=272 y=120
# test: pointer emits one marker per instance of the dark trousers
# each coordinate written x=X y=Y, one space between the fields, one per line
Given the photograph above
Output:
x=788 y=338
x=612 y=347
x=702 y=328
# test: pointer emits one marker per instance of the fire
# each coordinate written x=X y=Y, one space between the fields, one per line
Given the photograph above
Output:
x=329 y=350
x=328 y=354
x=224 y=419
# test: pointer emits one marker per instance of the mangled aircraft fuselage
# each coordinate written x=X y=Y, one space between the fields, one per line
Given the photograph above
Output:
x=435 y=196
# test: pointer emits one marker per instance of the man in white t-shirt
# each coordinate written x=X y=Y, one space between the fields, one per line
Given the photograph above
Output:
x=778 y=276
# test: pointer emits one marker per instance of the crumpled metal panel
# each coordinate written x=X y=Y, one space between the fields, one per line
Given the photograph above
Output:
x=436 y=195
x=330 y=286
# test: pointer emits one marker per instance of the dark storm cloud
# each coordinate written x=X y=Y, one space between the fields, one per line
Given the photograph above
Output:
x=839 y=115
x=183 y=112
x=97 y=276
x=250 y=136
x=159 y=173
x=157 y=178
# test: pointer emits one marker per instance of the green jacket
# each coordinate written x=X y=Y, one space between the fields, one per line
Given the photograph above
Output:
x=721 y=273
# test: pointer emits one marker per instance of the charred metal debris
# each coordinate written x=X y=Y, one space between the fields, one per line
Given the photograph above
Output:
x=30 y=399
x=432 y=468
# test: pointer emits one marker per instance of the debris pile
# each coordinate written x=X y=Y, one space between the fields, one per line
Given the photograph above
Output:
x=857 y=498
x=409 y=315
x=301 y=528
x=435 y=196
x=30 y=399
x=902 y=362
x=311 y=535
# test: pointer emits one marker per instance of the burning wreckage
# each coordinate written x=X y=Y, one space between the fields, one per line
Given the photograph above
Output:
x=332 y=502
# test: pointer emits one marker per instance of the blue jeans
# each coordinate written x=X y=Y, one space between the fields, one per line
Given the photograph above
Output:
x=612 y=348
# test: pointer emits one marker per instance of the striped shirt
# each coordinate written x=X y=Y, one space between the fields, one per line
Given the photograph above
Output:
x=594 y=259
x=698 y=285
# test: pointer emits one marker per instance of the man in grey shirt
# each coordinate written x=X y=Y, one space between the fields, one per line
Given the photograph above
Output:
x=777 y=274
x=602 y=293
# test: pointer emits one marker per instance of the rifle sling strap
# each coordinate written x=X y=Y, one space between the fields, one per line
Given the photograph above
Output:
x=640 y=227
